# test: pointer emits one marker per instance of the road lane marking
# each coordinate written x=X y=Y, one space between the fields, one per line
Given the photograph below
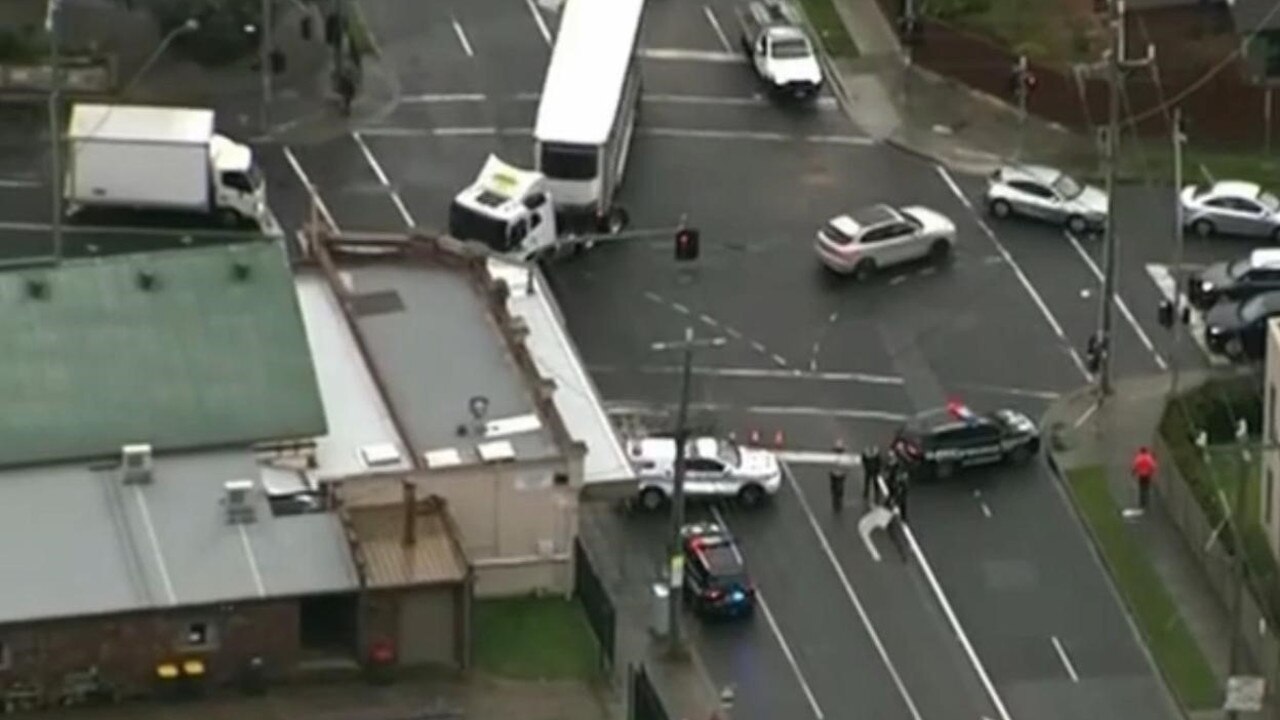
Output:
x=777 y=634
x=16 y=183
x=542 y=23
x=429 y=98
x=682 y=309
x=779 y=360
x=462 y=37
x=814 y=457
x=1066 y=661
x=854 y=140
x=824 y=102
x=1084 y=416
x=641 y=407
x=312 y=190
x=708 y=320
x=715 y=25
x=1014 y=391
x=668 y=132
x=1119 y=301
x=1164 y=280
x=1017 y=271
x=382 y=178
x=759 y=373
x=853 y=596
x=706 y=56
x=986 y=510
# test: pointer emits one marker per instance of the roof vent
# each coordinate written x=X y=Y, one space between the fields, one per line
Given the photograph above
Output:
x=380 y=455
x=146 y=279
x=135 y=464
x=497 y=451
x=238 y=501
x=240 y=270
x=442 y=458
x=37 y=289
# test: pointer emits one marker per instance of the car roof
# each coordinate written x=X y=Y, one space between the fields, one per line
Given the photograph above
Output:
x=786 y=32
x=1236 y=188
x=872 y=215
x=1265 y=258
x=1039 y=173
x=664 y=448
x=943 y=418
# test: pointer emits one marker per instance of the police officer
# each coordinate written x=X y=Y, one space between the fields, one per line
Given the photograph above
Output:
x=838 y=476
x=346 y=86
x=899 y=483
x=870 y=471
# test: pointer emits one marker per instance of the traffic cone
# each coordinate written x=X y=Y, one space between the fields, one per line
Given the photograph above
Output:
x=778 y=440
x=755 y=438
x=733 y=436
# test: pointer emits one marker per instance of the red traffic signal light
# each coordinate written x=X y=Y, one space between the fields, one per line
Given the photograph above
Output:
x=687 y=243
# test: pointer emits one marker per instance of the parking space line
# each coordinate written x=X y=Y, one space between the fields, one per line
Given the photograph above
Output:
x=706 y=56
x=777 y=634
x=542 y=23
x=852 y=595
x=382 y=178
x=1120 y=303
x=715 y=25
x=312 y=190
x=462 y=37
x=1017 y=271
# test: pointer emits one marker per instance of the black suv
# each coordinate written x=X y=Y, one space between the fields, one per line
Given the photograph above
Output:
x=1239 y=279
x=715 y=576
x=939 y=442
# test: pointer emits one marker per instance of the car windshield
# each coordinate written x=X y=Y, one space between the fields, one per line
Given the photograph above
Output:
x=1269 y=201
x=729 y=453
x=1260 y=306
x=912 y=220
x=1066 y=186
x=1237 y=268
x=791 y=49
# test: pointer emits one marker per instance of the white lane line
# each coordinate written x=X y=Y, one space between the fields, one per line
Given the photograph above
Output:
x=760 y=373
x=1084 y=416
x=682 y=309
x=986 y=509
x=840 y=140
x=1016 y=392
x=542 y=23
x=732 y=332
x=777 y=634
x=708 y=134
x=813 y=457
x=781 y=361
x=462 y=37
x=715 y=25
x=653 y=297
x=759 y=347
x=1017 y=271
x=691 y=55
x=382 y=178
x=15 y=183
x=1066 y=661
x=641 y=407
x=665 y=98
x=708 y=320
x=1120 y=303
x=853 y=596
x=311 y=188
x=429 y=98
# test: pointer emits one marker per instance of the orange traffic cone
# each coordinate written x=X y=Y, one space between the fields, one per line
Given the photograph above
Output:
x=778 y=440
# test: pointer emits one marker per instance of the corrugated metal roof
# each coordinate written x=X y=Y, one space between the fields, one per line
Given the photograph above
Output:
x=434 y=557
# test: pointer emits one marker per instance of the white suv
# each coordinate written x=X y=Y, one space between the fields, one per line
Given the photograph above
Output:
x=713 y=468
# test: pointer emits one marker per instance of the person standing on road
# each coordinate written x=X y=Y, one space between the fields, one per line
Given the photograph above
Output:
x=898 y=486
x=1144 y=472
x=838 y=476
x=870 y=472
x=346 y=90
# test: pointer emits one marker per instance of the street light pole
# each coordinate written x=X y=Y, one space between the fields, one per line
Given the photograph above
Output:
x=1179 y=234
x=53 y=27
x=675 y=565
x=264 y=48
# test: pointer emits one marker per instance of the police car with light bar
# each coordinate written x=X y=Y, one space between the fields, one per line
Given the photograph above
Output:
x=716 y=583
x=942 y=441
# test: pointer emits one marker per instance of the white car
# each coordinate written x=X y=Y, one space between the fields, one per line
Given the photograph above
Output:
x=1044 y=193
x=714 y=468
x=873 y=238
x=1231 y=207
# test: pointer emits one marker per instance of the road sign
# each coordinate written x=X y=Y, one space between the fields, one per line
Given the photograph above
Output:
x=1245 y=693
x=878 y=518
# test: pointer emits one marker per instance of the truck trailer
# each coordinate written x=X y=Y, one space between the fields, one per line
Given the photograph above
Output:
x=159 y=159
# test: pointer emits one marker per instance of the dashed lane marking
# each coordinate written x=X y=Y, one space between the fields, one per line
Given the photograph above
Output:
x=462 y=37
x=758 y=374
x=710 y=321
x=653 y=409
x=1066 y=661
x=715 y=26
x=705 y=56
x=382 y=178
x=663 y=132
x=18 y=183
x=543 y=30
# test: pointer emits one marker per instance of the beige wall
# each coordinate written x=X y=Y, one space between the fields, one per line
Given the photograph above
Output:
x=1270 y=500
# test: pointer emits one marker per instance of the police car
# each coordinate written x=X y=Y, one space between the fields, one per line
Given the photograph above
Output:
x=716 y=583
x=954 y=437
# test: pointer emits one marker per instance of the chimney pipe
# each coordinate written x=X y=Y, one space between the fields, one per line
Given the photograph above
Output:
x=410 y=519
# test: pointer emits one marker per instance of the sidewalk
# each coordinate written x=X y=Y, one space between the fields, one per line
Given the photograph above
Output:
x=935 y=117
x=1078 y=438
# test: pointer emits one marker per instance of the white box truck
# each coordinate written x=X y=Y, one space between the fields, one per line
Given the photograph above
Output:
x=159 y=158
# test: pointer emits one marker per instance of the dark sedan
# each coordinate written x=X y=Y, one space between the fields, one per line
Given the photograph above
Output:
x=1238 y=329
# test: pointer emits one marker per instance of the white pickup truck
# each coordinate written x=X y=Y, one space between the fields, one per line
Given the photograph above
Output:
x=780 y=50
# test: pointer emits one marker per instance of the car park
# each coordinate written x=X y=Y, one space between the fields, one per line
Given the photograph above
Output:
x=1045 y=193
x=937 y=443
x=1238 y=279
x=716 y=583
x=1231 y=207
x=871 y=239
x=714 y=468
x=1238 y=329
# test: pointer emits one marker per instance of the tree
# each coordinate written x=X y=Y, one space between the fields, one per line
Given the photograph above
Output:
x=228 y=28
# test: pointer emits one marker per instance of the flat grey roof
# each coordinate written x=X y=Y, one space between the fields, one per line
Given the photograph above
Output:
x=77 y=541
x=434 y=343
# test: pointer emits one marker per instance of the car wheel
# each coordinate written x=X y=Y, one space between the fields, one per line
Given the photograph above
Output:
x=1203 y=228
x=864 y=270
x=940 y=252
x=228 y=217
x=751 y=495
x=1234 y=348
x=1077 y=224
x=1001 y=209
x=651 y=499
x=1020 y=454
x=615 y=221
x=944 y=469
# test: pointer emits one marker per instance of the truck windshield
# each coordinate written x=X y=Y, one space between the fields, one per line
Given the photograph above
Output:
x=791 y=49
x=256 y=178
x=568 y=162
x=467 y=224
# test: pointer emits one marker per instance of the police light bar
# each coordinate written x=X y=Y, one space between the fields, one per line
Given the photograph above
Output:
x=960 y=411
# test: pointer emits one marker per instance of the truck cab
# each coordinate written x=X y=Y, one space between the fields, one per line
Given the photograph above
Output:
x=508 y=209
x=239 y=187
x=779 y=50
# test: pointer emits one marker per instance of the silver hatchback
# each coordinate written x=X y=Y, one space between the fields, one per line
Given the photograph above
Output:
x=1044 y=193
x=873 y=238
x=1231 y=207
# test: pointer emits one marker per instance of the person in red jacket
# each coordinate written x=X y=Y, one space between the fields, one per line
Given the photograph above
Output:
x=1144 y=472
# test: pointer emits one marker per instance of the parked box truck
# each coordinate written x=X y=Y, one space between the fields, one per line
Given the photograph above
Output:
x=159 y=158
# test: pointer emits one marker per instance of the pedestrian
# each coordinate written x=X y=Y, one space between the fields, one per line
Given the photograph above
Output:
x=1144 y=472
x=898 y=486
x=346 y=91
x=871 y=463
x=838 y=476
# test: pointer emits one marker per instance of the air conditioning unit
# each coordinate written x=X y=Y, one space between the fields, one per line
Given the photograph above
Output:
x=135 y=464
x=238 y=500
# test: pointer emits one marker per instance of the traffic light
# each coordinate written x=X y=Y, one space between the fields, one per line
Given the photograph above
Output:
x=1164 y=313
x=687 y=243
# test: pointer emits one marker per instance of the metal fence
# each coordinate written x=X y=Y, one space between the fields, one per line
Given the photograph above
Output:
x=643 y=702
x=596 y=602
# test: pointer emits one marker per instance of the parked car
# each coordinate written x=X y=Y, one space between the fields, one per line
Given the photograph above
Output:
x=945 y=440
x=1044 y=193
x=1238 y=329
x=1231 y=207
x=873 y=238
x=716 y=582
x=1238 y=279
x=714 y=467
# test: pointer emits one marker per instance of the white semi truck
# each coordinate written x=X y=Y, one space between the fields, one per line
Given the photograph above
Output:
x=159 y=159
x=509 y=210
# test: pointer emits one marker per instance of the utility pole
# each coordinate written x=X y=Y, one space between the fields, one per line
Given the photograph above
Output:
x=675 y=566
x=1116 y=65
x=53 y=26
x=1179 y=234
x=265 y=46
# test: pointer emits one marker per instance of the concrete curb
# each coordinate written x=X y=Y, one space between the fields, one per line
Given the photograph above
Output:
x=1095 y=545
